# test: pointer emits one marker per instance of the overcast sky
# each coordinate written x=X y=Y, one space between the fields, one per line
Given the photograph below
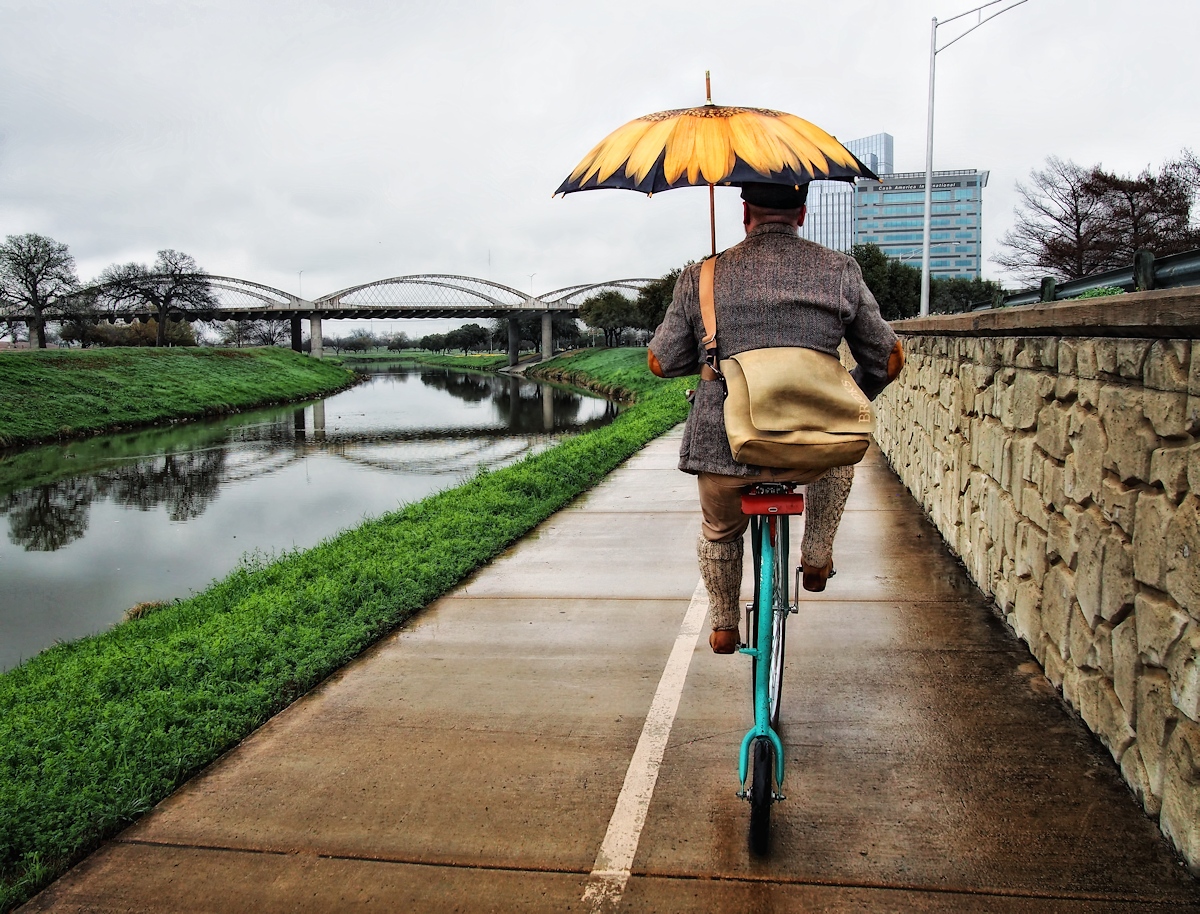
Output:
x=359 y=140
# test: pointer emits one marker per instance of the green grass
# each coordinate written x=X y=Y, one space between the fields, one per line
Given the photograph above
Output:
x=77 y=392
x=93 y=733
x=1100 y=292
x=479 y=361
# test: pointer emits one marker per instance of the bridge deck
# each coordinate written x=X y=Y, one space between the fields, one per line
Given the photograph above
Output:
x=473 y=760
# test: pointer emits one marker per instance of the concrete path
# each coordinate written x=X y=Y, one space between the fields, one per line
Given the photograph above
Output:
x=475 y=760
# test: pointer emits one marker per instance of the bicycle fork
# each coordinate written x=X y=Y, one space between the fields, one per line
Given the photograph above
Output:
x=761 y=652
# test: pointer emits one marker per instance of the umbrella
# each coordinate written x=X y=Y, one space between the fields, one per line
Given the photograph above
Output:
x=710 y=145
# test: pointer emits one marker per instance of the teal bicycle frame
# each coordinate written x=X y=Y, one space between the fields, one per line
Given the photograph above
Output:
x=768 y=530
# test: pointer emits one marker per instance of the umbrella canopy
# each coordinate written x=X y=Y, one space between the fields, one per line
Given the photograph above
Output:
x=714 y=144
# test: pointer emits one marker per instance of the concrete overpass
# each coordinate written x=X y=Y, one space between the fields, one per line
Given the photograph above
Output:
x=425 y=295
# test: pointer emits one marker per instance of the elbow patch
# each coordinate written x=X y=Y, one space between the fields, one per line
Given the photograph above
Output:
x=652 y=362
x=895 y=361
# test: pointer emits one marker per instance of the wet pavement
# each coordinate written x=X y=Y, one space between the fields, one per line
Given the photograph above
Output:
x=475 y=759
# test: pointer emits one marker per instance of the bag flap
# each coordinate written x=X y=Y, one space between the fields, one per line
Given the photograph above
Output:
x=792 y=388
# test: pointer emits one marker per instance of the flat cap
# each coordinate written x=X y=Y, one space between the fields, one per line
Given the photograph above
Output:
x=775 y=196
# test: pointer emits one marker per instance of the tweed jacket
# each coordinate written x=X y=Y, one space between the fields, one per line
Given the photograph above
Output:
x=773 y=289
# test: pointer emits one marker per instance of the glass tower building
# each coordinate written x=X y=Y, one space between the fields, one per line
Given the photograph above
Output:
x=890 y=213
x=830 y=219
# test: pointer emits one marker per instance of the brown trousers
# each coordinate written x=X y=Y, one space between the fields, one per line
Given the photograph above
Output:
x=723 y=521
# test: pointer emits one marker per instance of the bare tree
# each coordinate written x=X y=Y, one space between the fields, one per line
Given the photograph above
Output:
x=1058 y=223
x=271 y=333
x=1073 y=222
x=173 y=286
x=36 y=274
x=1150 y=211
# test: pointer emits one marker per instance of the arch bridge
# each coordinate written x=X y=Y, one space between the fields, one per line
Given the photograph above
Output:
x=424 y=295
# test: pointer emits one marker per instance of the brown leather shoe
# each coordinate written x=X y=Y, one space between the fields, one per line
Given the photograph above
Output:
x=814 y=578
x=723 y=641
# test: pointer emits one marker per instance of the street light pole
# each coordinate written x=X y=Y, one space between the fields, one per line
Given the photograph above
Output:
x=928 y=224
x=934 y=50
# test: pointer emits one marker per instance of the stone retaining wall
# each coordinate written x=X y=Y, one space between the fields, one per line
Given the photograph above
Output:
x=1063 y=469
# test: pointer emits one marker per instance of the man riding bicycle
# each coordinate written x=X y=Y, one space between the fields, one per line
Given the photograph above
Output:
x=773 y=289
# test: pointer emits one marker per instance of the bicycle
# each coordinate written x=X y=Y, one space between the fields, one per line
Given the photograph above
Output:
x=769 y=506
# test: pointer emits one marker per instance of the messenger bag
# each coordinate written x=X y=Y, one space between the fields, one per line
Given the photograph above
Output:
x=787 y=407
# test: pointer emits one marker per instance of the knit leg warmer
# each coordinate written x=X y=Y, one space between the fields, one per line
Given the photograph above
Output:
x=721 y=570
x=823 y=506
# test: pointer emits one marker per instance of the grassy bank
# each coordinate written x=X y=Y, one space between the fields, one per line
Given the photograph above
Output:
x=95 y=732
x=65 y=393
x=478 y=361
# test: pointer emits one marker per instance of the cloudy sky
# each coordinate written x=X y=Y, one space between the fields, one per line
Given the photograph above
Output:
x=356 y=140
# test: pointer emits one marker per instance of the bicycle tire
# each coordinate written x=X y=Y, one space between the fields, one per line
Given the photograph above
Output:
x=762 y=794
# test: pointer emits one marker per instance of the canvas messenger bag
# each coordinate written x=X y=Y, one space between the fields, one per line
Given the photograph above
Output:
x=787 y=407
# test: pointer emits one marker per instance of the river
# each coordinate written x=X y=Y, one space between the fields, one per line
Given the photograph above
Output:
x=99 y=525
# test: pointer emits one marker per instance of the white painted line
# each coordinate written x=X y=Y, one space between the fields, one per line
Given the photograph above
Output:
x=606 y=883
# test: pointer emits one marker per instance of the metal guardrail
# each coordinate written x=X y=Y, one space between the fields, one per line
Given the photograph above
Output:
x=1147 y=272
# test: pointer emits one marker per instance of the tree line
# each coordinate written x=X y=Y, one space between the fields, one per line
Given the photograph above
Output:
x=1071 y=222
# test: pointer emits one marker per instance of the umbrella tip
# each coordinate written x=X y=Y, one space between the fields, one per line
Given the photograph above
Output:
x=708 y=87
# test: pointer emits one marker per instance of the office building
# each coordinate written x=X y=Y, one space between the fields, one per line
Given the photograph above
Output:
x=830 y=219
x=890 y=213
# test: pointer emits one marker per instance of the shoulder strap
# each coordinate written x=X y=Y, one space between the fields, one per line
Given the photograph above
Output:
x=708 y=310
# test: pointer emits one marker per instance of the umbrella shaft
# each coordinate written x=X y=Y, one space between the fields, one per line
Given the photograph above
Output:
x=712 y=218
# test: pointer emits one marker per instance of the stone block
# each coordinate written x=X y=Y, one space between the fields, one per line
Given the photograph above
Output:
x=1154 y=513
x=1131 y=358
x=1030 y=558
x=1027 y=609
x=1002 y=405
x=1127 y=667
x=1091 y=533
x=1131 y=438
x=1088 y=445
x=1086 y=364
x=1157 y=717
x=1032 y=507
x=1054 y=484
x=1030 y=390
x=1061 y=544
x=1138 y=778
x=1167 y=365
x=1167 y=412
x=1081 y=640
x=1067 y=349
x=1116 y=583
x=1058 y=605
x=1053 y=428
x=1101 y=710
x=1169 y=468
x=1193 y=386
x=1194 y=467
x=1118 y=504
x=1180 y=816
x=1024 y=453
x=1182 y=549
x=1106 y=356
x=1183 y=666
x=1053 y=665
x=1087 y=393
x=1160 y=624
x=1066 y=387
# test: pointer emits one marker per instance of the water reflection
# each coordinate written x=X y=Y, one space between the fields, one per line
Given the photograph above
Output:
x=181 y=503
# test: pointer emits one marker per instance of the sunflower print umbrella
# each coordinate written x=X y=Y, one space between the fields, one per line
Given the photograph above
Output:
x=711 y=145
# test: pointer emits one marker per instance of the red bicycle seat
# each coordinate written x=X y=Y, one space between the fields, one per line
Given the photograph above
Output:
x=773 y=503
